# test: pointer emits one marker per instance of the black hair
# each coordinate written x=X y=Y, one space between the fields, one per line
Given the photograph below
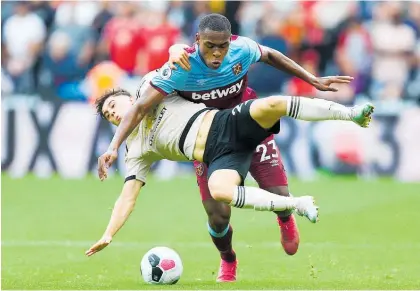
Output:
x=99 y=103
x=214 y=22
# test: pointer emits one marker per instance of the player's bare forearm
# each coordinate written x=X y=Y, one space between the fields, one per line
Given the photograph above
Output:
x=122 y=210
x=281 y=62
x=149 y=98
x=123 y=207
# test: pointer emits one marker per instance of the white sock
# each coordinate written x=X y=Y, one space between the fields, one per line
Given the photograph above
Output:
x=259 y=199
x=316 y=109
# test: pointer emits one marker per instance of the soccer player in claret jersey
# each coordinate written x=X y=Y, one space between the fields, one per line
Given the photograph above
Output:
x=218 y=78
x=179 y=130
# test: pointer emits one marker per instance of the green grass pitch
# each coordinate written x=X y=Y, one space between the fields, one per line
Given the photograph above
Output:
x=368 y=237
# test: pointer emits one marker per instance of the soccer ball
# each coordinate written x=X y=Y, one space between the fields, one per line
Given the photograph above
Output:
x=161 y=265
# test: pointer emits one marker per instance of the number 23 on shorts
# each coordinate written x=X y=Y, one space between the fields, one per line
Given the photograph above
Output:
x=268 y=151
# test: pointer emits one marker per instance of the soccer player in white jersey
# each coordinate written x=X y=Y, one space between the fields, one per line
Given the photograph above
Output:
x=179 y=130
x=218 y=78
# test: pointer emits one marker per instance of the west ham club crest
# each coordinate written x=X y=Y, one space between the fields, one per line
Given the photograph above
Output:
x=237 y=69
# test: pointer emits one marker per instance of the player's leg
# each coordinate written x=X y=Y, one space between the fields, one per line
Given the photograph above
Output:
x=268 y=170
x=267 y=111
x=220 y=230
x=227 y=173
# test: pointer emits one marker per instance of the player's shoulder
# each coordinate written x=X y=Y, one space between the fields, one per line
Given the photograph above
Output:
x=241 y=44
x=191 y=49
x=240 y=41
x=145 y=81
x=166 y=73
x=169 y=79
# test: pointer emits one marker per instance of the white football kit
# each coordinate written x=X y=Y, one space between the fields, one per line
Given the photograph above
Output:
x=158 y=135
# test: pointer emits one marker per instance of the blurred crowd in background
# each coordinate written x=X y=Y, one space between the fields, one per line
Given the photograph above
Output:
x=73 y=50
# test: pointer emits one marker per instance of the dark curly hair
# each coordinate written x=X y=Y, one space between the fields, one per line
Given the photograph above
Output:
x=99 y=103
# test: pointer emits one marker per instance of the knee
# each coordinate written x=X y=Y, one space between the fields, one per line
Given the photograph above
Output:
x=274 y=104
x=222 y=184
x=220 y=190
x=217 y=190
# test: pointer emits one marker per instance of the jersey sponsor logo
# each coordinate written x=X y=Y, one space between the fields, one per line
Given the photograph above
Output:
x=237 y=69
x=154 y=129
x=219 y=93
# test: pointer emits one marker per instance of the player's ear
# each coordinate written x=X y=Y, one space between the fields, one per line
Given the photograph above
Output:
x=197 y=37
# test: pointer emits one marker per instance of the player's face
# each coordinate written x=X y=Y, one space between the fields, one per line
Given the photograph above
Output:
x=116 y=107
x=213 y=46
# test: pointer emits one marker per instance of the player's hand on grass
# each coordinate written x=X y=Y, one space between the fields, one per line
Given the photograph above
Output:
x=98 y=246
x=323 y=83
x=178 y=55
x=104 y=162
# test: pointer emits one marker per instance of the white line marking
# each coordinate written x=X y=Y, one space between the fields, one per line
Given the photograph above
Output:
x=72 y=243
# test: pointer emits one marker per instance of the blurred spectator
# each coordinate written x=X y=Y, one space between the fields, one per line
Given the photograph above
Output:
x=414 y=17
x=104 y=15
x=219 y=6
x=155 y=39
x=309 y=60
x=316 y=34
x=413 y=88
x=371 y=41
x=231 y=12
x=249 y=15
x=194 y=13
x=76 y=12
x=366 y=9
x=6 y=83
x=293 y=28
x=265 y=79
x=121 y=38
x=24 y=33
x=70 y=50
x=176 y=14
x=393 y=44
x=69 y=53
x=354 y=53
x=103 y=76
x=44 y=10
x=329 y=14
x=7 y=9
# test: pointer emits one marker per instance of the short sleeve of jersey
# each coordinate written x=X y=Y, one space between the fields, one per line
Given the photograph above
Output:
x=169 y=80
x=137 y=168
x=254 y=49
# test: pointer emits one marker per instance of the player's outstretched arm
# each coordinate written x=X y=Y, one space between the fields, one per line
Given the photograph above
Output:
x=281 y=62
x=150 y=97
x=122 y=210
